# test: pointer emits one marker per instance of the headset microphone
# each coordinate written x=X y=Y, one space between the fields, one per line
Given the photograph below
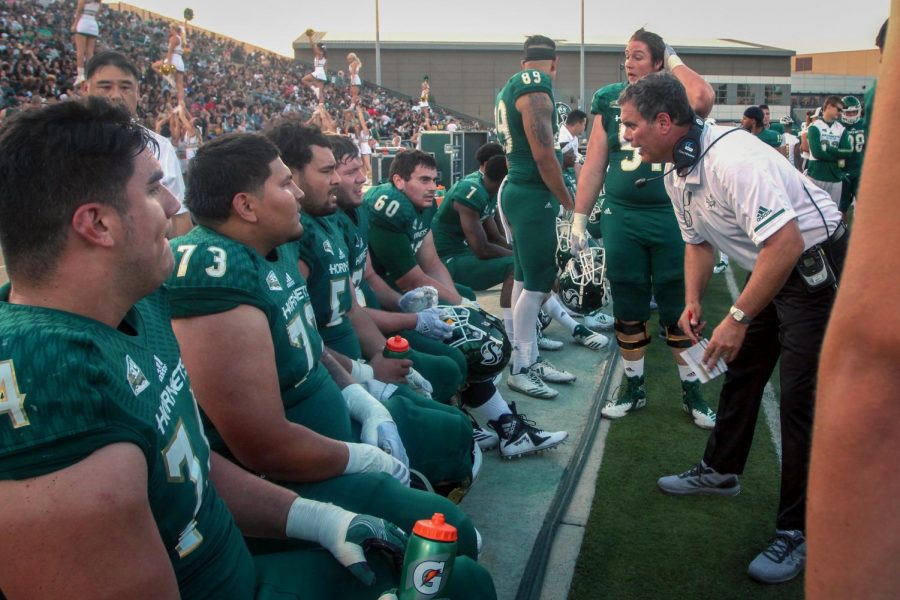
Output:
x=639 y=183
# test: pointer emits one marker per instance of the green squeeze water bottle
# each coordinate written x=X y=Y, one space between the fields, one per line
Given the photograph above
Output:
x=396 y=347
x=429 y=559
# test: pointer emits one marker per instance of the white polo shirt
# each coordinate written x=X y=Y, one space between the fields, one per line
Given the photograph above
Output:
x=565 y=140
x=741 y=192
x=171 y=167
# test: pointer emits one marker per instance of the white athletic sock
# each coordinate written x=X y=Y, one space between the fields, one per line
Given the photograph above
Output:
x=557 y=312
x=517 y=288
x=508 y=322
x=686 y=373
x=525 y=314
x=634 y=368
x=491 y=410
x=316 y=92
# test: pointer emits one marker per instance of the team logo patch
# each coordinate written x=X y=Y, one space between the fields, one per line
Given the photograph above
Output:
x=762 y=213
x=161 y=368
x=341 y=254
x=273 y=283
x=326 y=246
x=710 y=202
x=135 y=376
x=428 y=576
x=289 y=280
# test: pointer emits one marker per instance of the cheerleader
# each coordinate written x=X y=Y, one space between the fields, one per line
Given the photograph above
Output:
x=86 y=33
x=316 y=80
x=354 y=65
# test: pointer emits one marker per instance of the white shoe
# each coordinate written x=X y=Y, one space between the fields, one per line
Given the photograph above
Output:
x=548 y=372
x=590 y=339
x=545 y=343
x=486 y=439
x=721 y=265
x=599 y=321
x=529 y=383
x=519 y=436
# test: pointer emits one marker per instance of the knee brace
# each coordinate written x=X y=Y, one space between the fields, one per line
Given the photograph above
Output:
x=675 y=337
x=623 y=329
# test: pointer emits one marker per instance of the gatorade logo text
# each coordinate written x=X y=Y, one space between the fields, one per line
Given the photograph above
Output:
x=428 y=576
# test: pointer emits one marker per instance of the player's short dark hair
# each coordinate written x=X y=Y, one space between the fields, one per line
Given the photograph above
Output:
x=223 y=168
x=659 y=93
x=496 y=168
x=764 y=107
x=54 y=160
x=406 y=162
x=342 y=147
x=654 y=42
x=111 y=58
x=539 y=41
x=295 y=141
x=755 y=113
x=882 y=35
x=488 y=151
x=576 y=116
x=833 y=101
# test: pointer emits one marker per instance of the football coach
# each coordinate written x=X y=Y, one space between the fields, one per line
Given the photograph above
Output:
x=734 y=193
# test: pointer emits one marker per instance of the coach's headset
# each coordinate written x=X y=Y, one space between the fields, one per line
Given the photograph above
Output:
x=686 y=151
x=814 y=267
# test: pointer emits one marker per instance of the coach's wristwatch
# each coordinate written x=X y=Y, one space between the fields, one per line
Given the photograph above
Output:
x=738 y=315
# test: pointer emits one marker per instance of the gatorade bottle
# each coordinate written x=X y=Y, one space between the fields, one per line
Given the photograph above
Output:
x=429 y=559
x=396 y=347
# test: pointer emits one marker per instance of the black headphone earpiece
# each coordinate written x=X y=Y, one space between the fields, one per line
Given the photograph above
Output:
x=686 y=151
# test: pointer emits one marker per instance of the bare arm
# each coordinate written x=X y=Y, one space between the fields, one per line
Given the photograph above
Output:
x=700 y=94
x=259 y=508
x=593 y=173
x=476 y=236
x=852 y=519
x=537 y=112
x=66 y=532
x=243 y=400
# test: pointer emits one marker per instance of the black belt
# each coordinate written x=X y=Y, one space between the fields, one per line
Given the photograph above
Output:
x=838 y=233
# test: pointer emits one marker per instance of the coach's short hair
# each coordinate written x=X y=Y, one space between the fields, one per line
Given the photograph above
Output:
x=111 y=58
x=54 y=160
x=223 y=168
x=295 y=141
x=406 y=162
x=654 y=42
x=659 y=93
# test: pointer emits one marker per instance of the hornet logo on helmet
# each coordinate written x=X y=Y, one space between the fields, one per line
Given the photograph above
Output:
x=570 y=295
x=491 y=353
x=428 y=576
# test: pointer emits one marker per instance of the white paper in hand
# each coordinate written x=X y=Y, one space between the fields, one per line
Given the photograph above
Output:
x=693 y=356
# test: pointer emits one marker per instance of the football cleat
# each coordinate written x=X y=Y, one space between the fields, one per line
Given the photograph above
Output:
x=693 y=404
x=631 y=397
x=529 y=383
x=589 y=339
x=547 y=371
x=545 y=343
x=599 y=321
x=486 y=439
x=519 y=436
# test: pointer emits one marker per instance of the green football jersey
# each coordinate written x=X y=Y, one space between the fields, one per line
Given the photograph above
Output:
x=354 y=226
x=856 y=133
x=215 y=274
x=771 y=137
x=70 y=385
x=625 y=166
x=324 y=249
x=511 y=131
x=449 y=237
x=391 y=211
x=777 y=127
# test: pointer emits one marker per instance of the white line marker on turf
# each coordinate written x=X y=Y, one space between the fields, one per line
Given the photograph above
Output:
x=770 y=407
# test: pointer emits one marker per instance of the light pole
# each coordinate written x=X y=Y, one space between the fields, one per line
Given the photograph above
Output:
x=377 y=45
x=581 y=79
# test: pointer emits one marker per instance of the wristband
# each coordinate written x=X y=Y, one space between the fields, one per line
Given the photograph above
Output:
x=361 y=372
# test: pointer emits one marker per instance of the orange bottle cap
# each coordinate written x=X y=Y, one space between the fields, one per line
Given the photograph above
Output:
x=435 y=529
x=397 y=344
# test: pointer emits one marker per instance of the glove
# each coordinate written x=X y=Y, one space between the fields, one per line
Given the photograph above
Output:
x=419 y=383
x=578 y=235
x=378 y=428
x=380 y=390
x=418 y=299
x=369 y=459
x=429 y=323
x=388 y=439
x=361 y=372
x=671 y=59
x=345 y=534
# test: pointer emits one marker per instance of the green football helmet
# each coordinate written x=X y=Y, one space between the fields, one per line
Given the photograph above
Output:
x=480 y=337
x=563 y=253
x=593 y=224
x=852 y=110
x=583 y=287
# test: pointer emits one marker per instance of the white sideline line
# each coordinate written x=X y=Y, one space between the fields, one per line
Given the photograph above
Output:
x=770 y=407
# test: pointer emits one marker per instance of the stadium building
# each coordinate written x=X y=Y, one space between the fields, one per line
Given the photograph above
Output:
x=465 y=76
